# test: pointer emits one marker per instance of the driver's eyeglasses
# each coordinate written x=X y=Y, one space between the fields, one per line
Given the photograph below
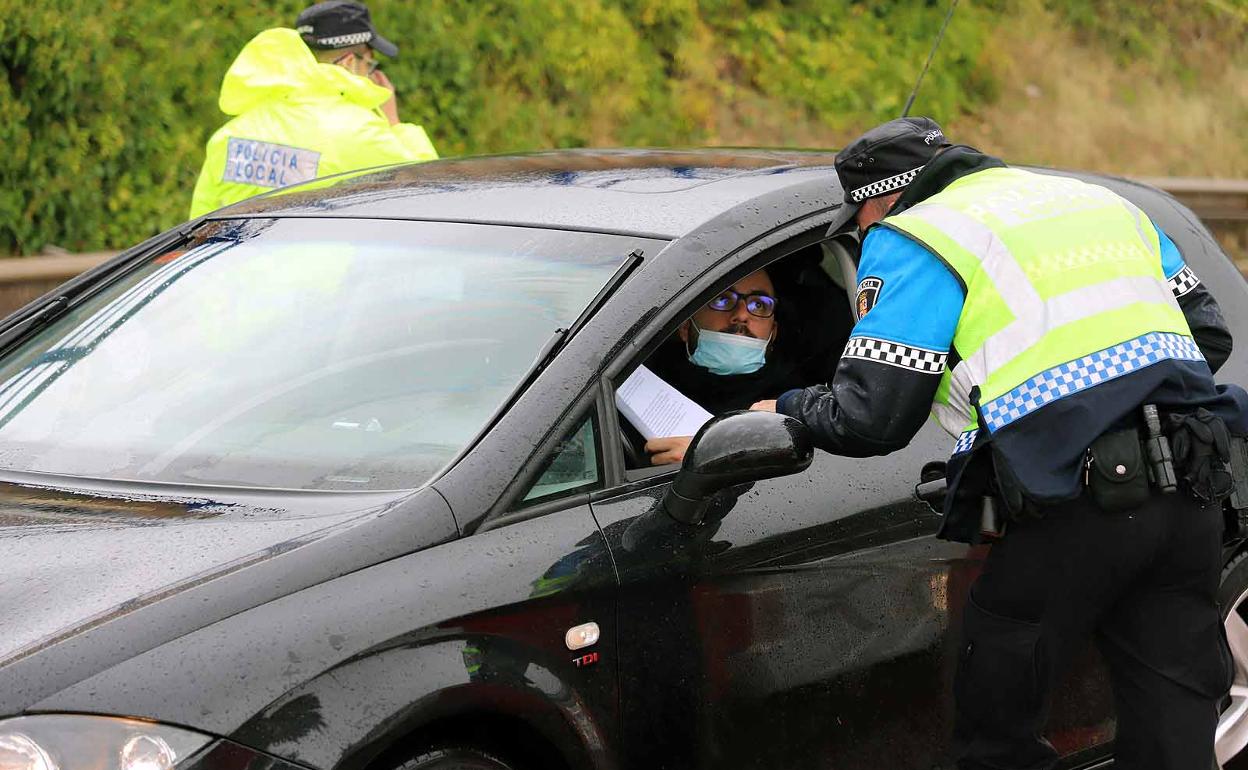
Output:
x=757 y=303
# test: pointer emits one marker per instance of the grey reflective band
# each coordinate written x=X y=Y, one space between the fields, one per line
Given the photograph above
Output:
x=955 y=414
x=1033 y=315
x=896 y=354
x=304 y=30
x=342 y=41
x=884 y=185
x=1183 y=282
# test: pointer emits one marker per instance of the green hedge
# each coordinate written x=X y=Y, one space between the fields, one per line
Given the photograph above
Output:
x=106 y=104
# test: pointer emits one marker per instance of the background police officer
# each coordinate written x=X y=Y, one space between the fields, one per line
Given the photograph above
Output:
x=308 y=102
x=1035 y=315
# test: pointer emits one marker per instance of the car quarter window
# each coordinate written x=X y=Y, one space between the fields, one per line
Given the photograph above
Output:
x=574 y=465
x=778 y=327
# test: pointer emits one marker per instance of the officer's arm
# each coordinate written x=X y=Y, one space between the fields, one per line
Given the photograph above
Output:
x=1204 y=317
x=887 y=377
x=374 y=142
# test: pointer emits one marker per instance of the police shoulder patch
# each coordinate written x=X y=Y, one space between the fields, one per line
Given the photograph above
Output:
x=868 y=292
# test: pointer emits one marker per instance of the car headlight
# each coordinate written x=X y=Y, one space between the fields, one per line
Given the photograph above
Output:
x=82 y=742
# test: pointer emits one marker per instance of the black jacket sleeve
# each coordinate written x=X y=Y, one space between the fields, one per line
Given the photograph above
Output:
x=1199 y=307
x=1204 y=317
x=869 y=409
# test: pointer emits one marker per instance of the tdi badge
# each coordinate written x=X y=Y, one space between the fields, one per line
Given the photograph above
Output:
x=868 y=292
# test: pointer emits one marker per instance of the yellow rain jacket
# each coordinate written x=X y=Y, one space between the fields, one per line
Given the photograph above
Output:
x=297 y=119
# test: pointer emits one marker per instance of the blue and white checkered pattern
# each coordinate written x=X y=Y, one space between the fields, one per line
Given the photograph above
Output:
x=1074 y=376
x=965 y=441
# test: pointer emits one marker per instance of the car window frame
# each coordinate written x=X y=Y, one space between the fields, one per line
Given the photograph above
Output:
x=511 y=507
x=697 y=293
x=737 y=262
x=592 y=419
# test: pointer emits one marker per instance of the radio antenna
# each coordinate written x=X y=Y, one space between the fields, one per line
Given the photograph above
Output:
x=939 y=36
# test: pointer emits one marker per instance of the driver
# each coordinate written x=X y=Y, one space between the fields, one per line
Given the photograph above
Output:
x=726 y=358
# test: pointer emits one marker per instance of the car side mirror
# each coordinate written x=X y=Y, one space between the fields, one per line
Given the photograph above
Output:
x=736 y=448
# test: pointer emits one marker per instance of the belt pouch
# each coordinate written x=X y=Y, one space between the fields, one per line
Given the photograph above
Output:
x=1118 y=476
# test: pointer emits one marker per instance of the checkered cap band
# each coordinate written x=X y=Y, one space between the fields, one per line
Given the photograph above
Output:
x=965 y=441
x=1183 y=281
x=884 y=185
x=895 y=354
x=343 y=41
x=1081 y=374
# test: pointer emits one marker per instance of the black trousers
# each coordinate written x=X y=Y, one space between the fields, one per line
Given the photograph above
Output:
x=1143 y=583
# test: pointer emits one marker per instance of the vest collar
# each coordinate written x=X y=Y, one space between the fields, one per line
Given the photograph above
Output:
x=952 y=164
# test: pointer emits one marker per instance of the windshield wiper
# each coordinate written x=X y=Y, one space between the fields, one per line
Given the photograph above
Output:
x=562 y=336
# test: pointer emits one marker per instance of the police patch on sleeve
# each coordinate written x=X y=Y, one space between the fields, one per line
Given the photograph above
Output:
x=868 y=293
x=264 y=164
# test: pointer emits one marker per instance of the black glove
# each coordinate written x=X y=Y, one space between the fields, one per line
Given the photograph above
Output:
x=1202 y=450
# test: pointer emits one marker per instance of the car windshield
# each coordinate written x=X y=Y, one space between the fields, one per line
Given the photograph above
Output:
x=298 y=353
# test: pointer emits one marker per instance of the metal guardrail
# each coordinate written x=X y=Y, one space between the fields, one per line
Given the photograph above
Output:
x=23 y=279
x=1215 y=201
x=59 y=267
x=1220 y=204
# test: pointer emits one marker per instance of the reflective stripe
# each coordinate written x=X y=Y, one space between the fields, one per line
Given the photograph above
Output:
x=1075 y=305
x=955 y=415
x=1080 y=374
x=1033 y=316
x=1143 y=227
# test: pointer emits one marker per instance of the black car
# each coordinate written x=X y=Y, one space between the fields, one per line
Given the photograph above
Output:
x=335 y=478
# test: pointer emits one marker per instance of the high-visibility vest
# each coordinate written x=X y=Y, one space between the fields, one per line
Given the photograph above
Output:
x=1064 y=291
x=297 y=119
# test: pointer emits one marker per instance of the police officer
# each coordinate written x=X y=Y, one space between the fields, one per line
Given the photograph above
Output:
x=1035 y=315
x=309 y=102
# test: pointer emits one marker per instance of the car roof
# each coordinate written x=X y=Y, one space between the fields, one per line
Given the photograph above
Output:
x=655 y=193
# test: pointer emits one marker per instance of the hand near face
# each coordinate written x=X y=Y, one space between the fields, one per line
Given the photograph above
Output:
x=764 y=406
x=664 y=451
x=391 y=108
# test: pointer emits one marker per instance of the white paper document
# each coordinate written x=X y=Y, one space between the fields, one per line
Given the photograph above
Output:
x=656 y=409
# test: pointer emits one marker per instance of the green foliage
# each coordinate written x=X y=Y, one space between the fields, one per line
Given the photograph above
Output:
x=107 y=104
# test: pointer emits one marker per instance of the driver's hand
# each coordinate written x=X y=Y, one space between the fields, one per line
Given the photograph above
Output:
x=664 y=451
x=764 y=406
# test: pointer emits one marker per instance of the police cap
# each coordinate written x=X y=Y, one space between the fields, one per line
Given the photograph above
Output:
x=341 y=24
x=887 y=157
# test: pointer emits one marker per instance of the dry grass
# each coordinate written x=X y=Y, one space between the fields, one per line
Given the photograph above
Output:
x=1065 y=103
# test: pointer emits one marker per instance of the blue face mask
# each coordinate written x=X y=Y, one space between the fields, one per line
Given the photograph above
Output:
x=729 y=353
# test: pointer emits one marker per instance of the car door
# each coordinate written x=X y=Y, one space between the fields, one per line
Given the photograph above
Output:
x=810 y=622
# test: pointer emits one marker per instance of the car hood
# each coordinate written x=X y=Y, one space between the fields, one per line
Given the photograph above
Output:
x=76 y=559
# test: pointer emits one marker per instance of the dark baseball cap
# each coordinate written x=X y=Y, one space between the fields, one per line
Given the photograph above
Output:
x=888 y=157
x=341 y=24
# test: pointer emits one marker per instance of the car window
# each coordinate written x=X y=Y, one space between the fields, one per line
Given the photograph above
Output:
x=761 y=349
x=298 y=353
x=573 y=465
